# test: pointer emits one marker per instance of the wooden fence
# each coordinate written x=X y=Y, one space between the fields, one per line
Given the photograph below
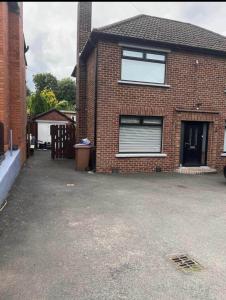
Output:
x=31 y=129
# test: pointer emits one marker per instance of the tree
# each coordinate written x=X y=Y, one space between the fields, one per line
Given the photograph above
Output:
x=49 y=98
x=50 y=93
x=41 y=102
x=36 y=104
x=66 y=90
x=63 y=105
x=45 y=81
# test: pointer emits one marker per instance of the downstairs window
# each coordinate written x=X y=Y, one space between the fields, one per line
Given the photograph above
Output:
x=140 y=134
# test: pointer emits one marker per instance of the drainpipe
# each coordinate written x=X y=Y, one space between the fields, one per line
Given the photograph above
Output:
x=95 y=106
x=95 y=100
x=95 y=44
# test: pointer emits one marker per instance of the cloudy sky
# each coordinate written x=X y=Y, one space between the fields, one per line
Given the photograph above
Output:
x=50 y=27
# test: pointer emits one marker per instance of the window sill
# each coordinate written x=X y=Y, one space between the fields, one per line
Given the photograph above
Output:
x=223 y=154
x=144 y=83
x=140 y=155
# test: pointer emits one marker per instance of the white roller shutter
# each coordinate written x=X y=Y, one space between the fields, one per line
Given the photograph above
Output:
x=138 y=139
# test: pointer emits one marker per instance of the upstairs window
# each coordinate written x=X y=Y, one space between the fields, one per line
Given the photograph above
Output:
x=143 y=66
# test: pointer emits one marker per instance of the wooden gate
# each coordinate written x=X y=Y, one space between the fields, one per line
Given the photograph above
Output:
x=31 y=129
x=62 y=141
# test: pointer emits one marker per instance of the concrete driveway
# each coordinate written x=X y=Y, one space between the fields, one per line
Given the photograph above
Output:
x=71 y=235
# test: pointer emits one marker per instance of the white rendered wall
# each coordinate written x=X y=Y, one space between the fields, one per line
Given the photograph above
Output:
x=9 y=169
x=44 y=129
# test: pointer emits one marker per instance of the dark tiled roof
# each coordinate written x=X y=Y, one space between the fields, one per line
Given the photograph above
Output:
x=166 y=31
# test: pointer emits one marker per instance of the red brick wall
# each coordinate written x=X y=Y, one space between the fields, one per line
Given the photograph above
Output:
x=189 y=84
x=18 y=116
x=12 y=77
x=4 y=73
x=90 y=92
x=81 y=105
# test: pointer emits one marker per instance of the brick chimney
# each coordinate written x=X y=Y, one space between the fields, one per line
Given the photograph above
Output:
x=83 y=31
x=84 y=24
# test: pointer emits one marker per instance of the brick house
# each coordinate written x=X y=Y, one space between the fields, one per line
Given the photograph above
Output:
x=151 y=93
x=12 y=75
x=12 y=93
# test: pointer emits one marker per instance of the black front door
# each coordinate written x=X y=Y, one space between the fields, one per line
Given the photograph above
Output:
x=194 y=144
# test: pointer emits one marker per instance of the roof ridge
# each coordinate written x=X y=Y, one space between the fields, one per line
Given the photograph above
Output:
x=166 y=19
x=138 y=16
x=118 y=22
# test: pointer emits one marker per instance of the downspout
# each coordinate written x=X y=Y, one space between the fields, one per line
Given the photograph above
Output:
x=95 y=106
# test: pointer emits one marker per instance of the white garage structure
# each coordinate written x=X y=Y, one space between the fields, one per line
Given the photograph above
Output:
x=43 y=129
x=45 y=120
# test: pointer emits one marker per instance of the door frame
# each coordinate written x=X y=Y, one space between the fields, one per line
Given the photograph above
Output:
x=182 y=141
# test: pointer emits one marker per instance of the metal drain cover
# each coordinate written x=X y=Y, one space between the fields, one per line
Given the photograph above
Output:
x=185 y=263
